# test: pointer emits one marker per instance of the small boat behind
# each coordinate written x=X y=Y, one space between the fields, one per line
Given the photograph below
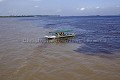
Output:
x=60 y=34
x=50 y=37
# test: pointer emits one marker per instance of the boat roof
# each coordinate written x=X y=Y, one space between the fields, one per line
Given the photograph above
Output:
x=57 y=31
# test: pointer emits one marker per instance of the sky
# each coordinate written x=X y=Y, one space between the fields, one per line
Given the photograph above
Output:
x=60 y=7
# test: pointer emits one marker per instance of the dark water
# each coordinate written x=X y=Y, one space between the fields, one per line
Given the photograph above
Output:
x=98 y=34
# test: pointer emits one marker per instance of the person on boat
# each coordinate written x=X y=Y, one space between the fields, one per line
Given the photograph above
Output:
x=58 y=34
x=63 y=34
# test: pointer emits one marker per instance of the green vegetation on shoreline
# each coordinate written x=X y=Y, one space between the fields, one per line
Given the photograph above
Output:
x=12 y=16
x=15 y=16
x=29 y=16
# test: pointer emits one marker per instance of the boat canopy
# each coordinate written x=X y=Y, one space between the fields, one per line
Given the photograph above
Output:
x=58 y=31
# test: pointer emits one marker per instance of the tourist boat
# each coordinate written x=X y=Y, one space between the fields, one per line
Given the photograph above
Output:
x=60 y=34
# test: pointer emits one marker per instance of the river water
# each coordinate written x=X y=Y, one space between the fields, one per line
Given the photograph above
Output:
x=94 y=53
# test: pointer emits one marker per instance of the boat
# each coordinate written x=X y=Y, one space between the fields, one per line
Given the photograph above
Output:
x=50 y=37
x=60 y=34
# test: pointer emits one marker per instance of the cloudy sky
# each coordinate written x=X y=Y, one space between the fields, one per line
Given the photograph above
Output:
x=60 y=7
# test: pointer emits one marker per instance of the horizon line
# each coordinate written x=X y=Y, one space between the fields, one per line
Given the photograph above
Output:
x=51 y=15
